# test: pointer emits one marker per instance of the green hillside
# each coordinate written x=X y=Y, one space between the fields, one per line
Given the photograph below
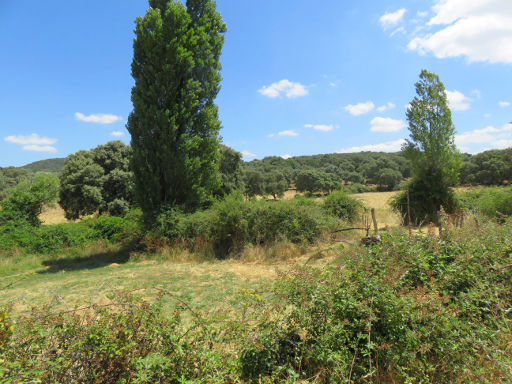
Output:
x=51 y=165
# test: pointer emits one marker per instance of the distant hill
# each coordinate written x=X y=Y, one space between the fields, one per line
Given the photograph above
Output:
x=51 y=165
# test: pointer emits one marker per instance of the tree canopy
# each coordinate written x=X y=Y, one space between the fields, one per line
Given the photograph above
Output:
x=97 y=180
x=25 y=201
x=174 y=124
x=435 y=160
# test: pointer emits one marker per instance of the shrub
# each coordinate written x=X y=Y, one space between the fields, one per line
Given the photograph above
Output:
x=340 y=205
x=233 y=223
x=50 y=238
x=357 y=188
x=25 y=201
x=492 y=202
x=126 y=341
x=408 y=311
x=424 y=203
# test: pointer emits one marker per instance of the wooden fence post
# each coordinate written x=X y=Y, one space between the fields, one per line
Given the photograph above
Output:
x=374 y=218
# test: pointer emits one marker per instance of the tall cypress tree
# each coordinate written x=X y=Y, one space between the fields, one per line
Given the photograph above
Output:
x=174 y=124
x=432 y=151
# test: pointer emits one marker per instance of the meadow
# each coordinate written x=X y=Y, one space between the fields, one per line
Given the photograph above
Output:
x=108 y=309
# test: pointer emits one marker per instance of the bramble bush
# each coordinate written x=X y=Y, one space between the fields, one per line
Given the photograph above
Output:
x=341 y=205
x=49 y=238
x=233 y=223
x=407 y=311
x=491 y=201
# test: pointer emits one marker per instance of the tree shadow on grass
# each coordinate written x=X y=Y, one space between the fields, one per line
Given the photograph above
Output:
x=93 y=261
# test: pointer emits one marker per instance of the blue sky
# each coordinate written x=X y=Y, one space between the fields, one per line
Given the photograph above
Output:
x=300 y=77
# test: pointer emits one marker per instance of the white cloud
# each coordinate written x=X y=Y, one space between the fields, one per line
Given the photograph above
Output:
x=390 y=146
x=117 y=134
x=287 y=156
x=290 y=89
x=393 y=18
x=383 y=108
x=457 y=101
x=270 y=135
x=39 y=148
x=33 y=139
x=502 y=144
x=248 y=154
x=480 y=30
x=360 y=109
x=386 y=125
x=320 y=127
x=333 y=84
x=477 y=93
x=33 y=142
x=487 y=115
x=422 y=14
x=288 y=133
x=98 y=118
x=398 y=30
x=504 y=104
x=490 y=137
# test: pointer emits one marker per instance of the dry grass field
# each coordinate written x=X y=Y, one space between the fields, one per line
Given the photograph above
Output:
x=98 y=272
x=380 y=201
x=92 y=275
x=53 y=215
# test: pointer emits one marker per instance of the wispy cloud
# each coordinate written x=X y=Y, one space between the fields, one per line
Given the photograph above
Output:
x=386 y=125
x=287 y=156
x=288 y=133
x=100 y=118
x=389 y=146
x=392 y=18
x=248 y=154
x=33 y=142
x=290 y=89
x=360 y=109
x=504 y=104
x=490 y=136
x=320 y=127
x=383 y=108
x=458 y=101
x=40 y=148
x=33 y=139
x=117 y=134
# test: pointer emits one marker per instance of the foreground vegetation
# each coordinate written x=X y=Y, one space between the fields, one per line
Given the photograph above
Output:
x=418 y=310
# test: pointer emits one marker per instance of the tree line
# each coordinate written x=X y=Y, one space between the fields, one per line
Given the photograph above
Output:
x=109 y=182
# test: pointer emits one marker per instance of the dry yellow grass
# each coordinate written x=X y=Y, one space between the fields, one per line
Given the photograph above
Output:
x=53 y=215
x=380 y=201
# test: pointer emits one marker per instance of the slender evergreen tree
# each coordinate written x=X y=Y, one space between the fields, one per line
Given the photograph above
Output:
x=435 y=160
x=431 y=147
x=174 y=124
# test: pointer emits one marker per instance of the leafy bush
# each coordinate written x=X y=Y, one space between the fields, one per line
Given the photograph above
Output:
x=492 y=202
x=408 y=311
x=25 y=201
x=424 y=203
x=124 y=342
x=233 y=223
x=50 y=238
x=357 y=188
x=341 y=205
